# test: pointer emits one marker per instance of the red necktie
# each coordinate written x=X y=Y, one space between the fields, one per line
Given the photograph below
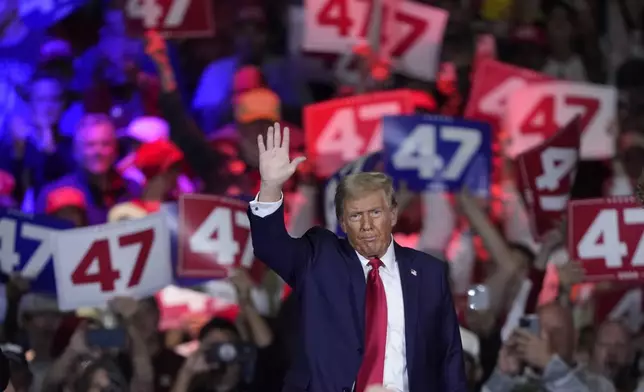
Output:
x=373 y=363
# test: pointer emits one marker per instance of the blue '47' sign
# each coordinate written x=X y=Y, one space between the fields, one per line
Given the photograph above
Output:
x=437 y=153
x=26 y=247
x=42 y=14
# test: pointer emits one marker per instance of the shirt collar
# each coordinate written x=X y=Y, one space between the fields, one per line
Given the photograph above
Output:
x=388 y=259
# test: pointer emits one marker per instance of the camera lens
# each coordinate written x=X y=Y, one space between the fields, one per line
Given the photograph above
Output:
x=227 y=352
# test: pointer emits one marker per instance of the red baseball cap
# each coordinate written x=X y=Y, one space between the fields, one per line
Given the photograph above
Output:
x=247 y=78
x=67 y=196
x=157 y=157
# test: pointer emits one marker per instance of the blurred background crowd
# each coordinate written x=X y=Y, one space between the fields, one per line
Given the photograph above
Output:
x=100 y=124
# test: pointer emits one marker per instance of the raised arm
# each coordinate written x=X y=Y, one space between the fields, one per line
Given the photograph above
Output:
x=184 y=131
x=287 y=256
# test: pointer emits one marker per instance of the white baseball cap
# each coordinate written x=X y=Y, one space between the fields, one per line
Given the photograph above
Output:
x=148 y=129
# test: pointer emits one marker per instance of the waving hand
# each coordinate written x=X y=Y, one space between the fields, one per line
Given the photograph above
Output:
x=275 y=165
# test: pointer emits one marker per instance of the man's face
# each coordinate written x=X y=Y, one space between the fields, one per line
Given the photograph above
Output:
x=47 y=101
x=97 y=148
x=368 y=221
x=611 y=350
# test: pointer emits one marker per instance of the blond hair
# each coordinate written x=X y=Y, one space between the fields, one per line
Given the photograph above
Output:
x=360 y=184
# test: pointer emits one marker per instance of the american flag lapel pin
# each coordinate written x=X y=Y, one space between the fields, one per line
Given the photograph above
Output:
x=413 y=272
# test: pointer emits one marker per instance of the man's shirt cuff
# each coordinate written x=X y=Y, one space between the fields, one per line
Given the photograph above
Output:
x=263 y=209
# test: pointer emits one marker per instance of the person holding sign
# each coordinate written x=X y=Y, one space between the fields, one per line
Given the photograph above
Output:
x=382 y=334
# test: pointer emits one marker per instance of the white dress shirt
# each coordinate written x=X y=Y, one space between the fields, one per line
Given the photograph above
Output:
x=395 y=375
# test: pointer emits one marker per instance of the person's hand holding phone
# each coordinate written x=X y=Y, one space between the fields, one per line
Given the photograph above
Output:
x=508 y=362
x=533 y=349
x=77 y=343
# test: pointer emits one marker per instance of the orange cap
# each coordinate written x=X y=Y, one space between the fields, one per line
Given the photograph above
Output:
x=66 y=196
x=257 y=104
x=157 y=157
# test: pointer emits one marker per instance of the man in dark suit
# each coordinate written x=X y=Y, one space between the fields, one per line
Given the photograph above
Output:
x=396 y=328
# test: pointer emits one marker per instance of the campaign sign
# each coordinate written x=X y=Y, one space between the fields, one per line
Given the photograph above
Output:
x=214 y=238
x=367 y=163
x=171 y=18
x=493 y=84
x=606 y=236
x=126 y=258
x=538 y=111
x=545 y=176
x=411 y=33
x=170 y=211
x=438 y=153
x=42 y=14
x=342 y=130
x=26 y=247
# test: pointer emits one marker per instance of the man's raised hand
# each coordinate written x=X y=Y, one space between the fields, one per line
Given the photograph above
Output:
x=275 y=166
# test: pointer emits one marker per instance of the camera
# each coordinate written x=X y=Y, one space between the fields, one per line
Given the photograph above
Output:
x=220 y=355
x=224 y=353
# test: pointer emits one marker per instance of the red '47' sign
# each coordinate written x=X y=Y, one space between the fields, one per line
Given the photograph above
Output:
x=605 y=235
x=537 y=111
x=214 y=238
x=545 y=175
x=412 y=33
x=492 y=86
x=341 y=130
x=171 y=18
x=96 y=263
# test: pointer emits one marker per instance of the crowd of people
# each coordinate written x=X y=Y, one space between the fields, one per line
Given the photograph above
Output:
x=86 y=128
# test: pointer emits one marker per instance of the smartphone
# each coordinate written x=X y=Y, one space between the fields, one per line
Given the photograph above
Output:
x=106 y=337
x=478 y=298
x=530 y=322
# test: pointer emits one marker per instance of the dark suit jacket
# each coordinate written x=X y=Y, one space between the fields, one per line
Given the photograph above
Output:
x=327 y=276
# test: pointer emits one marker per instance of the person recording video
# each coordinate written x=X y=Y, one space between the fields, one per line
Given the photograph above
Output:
x=222 y=363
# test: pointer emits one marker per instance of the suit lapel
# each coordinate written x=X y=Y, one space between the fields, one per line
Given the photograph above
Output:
x=358 y=287
x=409 y=279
